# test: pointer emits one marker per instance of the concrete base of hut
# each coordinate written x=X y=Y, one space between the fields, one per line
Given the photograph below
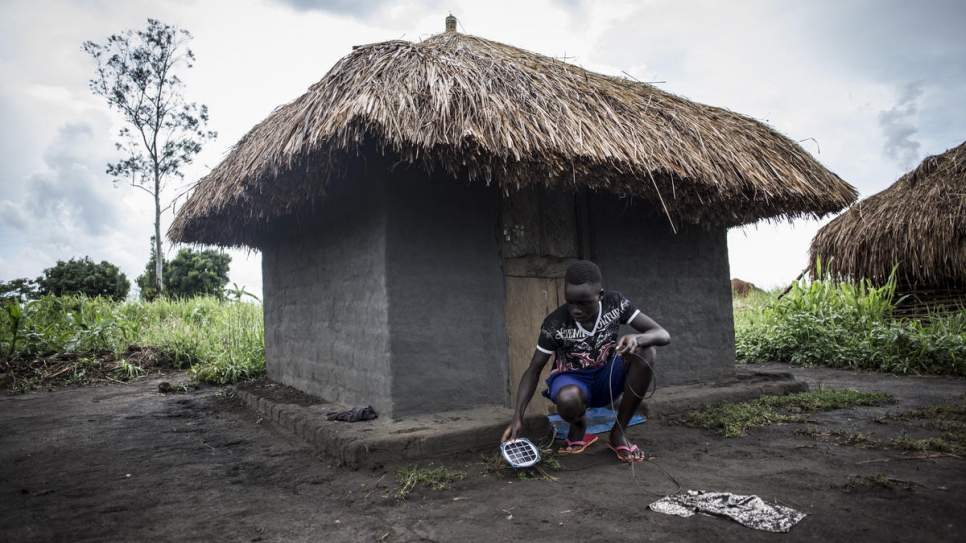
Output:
x=385 y=440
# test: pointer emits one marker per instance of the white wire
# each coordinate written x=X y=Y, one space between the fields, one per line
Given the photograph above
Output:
x=610 y=386
x=553 y=430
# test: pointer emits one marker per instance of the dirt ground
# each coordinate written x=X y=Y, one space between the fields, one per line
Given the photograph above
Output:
x=127 y=463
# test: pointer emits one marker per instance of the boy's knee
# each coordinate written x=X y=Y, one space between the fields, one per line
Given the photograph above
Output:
x=570 y=401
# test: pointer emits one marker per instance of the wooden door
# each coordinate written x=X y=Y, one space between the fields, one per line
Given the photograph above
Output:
x=539 y=241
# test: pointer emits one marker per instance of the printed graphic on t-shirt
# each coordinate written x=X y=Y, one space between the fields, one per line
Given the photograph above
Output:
x=577 y=348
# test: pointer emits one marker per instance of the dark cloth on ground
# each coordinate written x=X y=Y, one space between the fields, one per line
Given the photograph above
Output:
x=352 y=415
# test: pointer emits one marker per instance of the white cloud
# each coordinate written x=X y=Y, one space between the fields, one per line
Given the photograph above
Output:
x=899 y=125
x=69 y=209
x=820 y=72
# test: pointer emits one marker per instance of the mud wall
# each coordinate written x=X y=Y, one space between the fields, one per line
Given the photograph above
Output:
x=681 y=280
x=325 y=299
x=446 y=293
x=392 y=296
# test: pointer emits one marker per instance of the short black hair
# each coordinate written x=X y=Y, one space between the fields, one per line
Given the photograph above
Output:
x=583 y=271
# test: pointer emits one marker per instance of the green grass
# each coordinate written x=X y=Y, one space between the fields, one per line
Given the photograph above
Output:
x=947 y=420
x=847 y=325
x=217 y=341
x=877 y=481
x=840 y=437
x=734 y=419
x=410 y=477
x=752 y=300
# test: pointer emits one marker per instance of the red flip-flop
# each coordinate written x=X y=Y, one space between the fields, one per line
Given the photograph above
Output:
x=589 y=439
x=627 y=459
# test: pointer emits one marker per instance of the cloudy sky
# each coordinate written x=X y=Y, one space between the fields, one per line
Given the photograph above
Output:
x=869 y=87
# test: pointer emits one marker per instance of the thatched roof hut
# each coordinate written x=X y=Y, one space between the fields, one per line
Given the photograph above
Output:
x=417 y=208
x=918 y=223
x=493 y=113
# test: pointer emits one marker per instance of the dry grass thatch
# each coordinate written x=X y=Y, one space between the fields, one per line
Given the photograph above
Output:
x=919 y=224
x=493 y=113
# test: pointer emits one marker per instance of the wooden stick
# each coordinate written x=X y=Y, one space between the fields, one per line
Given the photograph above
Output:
x=789 y=287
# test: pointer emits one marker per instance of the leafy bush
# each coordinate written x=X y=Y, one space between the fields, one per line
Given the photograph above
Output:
x=197 y=273
x=190 y=273
x=849 y=325
x=217 y=341
x=86 y=278
x=58 y=325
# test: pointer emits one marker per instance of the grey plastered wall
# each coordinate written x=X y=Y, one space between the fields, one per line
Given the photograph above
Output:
x=446 y=294
x=392 y=296
x=325 y=299
x=681 y=280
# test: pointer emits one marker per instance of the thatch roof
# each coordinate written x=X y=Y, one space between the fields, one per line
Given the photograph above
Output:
x=493 y=113
x=918 y=223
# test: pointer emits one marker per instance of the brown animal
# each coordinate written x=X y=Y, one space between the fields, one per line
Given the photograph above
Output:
x=742 y=288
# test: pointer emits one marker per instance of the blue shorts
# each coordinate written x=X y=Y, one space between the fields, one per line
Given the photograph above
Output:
x=600 y=385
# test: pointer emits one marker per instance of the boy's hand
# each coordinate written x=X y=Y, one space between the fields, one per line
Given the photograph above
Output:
x=512 y=431
x=627 y=344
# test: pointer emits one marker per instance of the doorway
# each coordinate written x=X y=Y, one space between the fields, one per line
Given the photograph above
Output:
x=543 y=232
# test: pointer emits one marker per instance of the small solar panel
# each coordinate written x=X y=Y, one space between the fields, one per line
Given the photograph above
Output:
x=520 y=453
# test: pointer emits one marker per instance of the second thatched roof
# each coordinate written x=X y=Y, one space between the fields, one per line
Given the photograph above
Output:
x=918 y=223
x=493 y=113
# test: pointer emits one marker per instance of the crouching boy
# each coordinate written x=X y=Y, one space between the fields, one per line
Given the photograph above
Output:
x=592 y=367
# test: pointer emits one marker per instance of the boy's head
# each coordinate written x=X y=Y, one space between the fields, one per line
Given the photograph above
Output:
x=583 y=272
x=583 y=292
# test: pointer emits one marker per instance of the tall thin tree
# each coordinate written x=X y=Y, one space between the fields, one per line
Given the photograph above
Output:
x=136 y=74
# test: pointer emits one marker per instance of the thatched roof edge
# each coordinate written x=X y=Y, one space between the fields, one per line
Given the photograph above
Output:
x=917 y=224
x=494 y=113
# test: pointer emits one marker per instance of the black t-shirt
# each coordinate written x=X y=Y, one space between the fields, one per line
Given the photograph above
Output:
x=577 y=348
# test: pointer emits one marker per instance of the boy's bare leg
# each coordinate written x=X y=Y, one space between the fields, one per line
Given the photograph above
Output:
x=639 y=375
x=572 y=407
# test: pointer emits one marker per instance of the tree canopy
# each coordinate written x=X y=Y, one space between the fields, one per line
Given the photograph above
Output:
x=20 y=289
x=84 y=277
x=197 y=273
x=190 y=273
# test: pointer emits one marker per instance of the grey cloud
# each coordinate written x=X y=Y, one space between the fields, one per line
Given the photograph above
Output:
x=909 y=92
x=12 y=215
x=72 y=195
x=16 y=143
x=898 y=125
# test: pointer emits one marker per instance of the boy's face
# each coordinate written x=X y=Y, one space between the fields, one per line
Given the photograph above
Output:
x=583 y=302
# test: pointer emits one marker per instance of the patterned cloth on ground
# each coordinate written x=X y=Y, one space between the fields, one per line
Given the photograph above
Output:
x=750 y=511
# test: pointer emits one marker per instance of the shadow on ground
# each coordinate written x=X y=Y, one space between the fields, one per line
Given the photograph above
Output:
x=127 y=463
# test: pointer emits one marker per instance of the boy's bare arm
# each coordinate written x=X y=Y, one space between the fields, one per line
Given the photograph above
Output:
x=528 y=385
x=651 y=334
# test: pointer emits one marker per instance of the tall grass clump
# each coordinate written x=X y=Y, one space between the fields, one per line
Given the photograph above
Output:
x=221 y=342
x=849 y=325
x=216 y=340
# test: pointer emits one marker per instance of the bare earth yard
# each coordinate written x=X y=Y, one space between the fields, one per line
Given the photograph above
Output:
x=127 y=463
